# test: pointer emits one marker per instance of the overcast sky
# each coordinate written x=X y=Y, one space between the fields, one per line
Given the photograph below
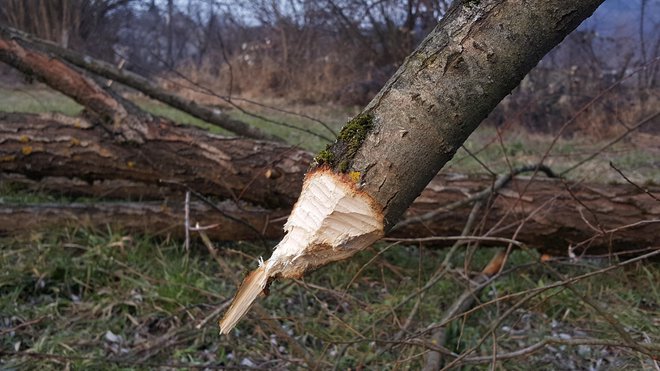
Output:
x=623 y=16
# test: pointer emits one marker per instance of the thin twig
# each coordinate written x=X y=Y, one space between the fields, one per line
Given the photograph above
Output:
x=651 y=348
x=462 y=304
x=186 y=220
x=204 y=90
x=611 y=143
x=215 y=207
x=272 y=324
x=529 y=295
x=645 y=190
x=216 y=312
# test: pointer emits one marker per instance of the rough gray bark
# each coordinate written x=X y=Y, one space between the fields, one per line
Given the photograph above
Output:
x=11 y=53
x=474 y=57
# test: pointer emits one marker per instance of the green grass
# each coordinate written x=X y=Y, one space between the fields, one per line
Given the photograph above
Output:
x=101 y=299
x=160 y=109
x=36 y=100
x=520 y=148
x=257 y=118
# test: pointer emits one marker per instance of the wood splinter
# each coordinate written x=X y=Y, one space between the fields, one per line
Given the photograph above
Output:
x=331 y=221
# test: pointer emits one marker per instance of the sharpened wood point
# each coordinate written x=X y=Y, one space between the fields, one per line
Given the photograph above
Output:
x=331 y=221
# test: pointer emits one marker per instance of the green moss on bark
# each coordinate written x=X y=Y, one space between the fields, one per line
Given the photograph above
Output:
x=325 y=157
x=355 y=132
x=340 y=155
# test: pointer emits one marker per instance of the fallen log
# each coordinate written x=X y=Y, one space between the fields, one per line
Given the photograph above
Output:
x=560 y=218
x=54 y=145
x=165 y=218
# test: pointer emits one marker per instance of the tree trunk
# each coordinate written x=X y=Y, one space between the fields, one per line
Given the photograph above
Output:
x=583 y=221
x=385 y=156
x=55 y=145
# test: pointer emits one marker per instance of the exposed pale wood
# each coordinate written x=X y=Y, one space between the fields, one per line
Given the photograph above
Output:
x=331 y=221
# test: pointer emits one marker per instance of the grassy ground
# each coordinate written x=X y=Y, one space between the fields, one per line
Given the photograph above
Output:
x=640 y=163
x=101 y=299
x=41 y=99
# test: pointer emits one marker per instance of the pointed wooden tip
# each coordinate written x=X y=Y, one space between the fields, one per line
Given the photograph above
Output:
x=332 y=220
x=251 y=287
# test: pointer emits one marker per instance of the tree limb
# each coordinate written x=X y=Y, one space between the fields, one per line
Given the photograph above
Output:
x=14 y=54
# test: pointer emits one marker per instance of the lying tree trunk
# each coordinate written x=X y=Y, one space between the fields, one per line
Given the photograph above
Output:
x=117 y=141
x=54 y=145
x=585 y=220
x=72 y=156
x=55 y=73
x=153 y=218
x=384 y=157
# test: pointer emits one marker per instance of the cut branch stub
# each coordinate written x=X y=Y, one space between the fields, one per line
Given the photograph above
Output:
x=331 y=221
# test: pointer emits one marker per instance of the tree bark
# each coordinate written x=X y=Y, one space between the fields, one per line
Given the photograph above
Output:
x=560 y=223
x=59 y=76
x=475 y=56
x=384 y=157
x=162 y=219
x=55 y=145
x=117 y=141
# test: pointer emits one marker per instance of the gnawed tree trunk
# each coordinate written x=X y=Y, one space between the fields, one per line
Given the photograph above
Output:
x=384 y=157
x=169 y=156
x=585 y=220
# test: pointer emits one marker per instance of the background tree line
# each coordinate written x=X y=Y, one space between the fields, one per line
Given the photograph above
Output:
x=342 y=51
